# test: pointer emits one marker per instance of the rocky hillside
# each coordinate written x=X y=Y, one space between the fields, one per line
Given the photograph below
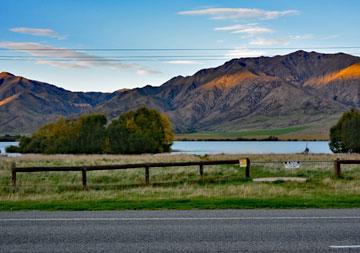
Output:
x=27 y=104
x=299 y=89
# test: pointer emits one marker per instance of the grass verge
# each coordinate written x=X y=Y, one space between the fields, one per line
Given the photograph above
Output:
x=185 y=204
x=222 y=187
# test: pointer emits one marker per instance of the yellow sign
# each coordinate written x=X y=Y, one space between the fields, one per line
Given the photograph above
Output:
x=243 y=162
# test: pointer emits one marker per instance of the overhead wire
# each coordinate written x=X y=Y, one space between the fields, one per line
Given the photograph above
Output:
x=181 y=49
x=143 y=57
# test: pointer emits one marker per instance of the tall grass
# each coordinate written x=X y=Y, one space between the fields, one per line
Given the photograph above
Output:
x=177 y=183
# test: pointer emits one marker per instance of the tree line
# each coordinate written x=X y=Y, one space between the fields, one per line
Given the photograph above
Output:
x=141 y=131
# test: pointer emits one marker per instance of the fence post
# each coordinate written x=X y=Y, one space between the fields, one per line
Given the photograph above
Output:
x=247 y=169
x=337 y=167
x=147 y=175
x=13 y=175
x=201 y=170
x=84 y=179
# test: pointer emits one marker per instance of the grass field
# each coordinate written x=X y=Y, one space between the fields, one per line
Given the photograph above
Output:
x=281 y=133
x=179 y=188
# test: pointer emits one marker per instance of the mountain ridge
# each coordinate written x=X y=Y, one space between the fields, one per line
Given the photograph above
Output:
x=245 y=93
x=27 y=104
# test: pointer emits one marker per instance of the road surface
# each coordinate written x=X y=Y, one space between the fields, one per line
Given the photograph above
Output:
x=309 y=230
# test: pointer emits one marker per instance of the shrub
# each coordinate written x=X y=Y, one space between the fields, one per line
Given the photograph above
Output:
x=12 y=149
x=82 y=135
x=140 y=131
x=345 y=135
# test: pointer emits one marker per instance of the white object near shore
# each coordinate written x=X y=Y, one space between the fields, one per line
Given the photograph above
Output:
x=292 y=164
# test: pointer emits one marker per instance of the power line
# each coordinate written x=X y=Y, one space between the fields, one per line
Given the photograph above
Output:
x=179 y=49
x=124 y=59
x=142 y=58
x=116 y=60
x=96 y=56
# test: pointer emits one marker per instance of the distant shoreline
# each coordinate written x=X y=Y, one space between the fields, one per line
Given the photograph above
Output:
x=214 y=139
x=281 y=134
x=244 y=139
x=9 y=138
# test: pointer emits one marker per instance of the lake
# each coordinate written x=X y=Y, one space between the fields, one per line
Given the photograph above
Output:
x=249 y=147
x=237 y=147
x=3 y=145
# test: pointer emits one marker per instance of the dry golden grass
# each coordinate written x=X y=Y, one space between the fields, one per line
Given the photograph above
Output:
x=178 y=182
x=8 y=99
x=351 y=72
x=77 y=160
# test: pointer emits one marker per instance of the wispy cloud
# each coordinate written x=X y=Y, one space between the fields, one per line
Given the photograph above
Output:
x=37 y=32
x=238 y=13
x=66 y=58
x=241 y=52
x=307 y=36
x=282 y=41
x=248 y=29
x=144 y=72
x=330 y=37
x=310 y=36
x=269 y=42
x=184 y=62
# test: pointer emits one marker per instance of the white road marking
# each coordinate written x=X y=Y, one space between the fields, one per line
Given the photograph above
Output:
x=181 y=218
x=345 y=247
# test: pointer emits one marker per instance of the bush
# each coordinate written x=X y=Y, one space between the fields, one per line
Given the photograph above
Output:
x=12 y=149
x=82 y=135
x=345 y=135
x=141 y=131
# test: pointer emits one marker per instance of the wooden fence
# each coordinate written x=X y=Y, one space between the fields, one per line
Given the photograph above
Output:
x=338 y=162
x=242 y=162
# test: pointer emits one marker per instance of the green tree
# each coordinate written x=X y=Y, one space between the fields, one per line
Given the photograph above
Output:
x=141 y=131
x=82 y=135
x=350 y=134
x=345 y=135
x=92 y=133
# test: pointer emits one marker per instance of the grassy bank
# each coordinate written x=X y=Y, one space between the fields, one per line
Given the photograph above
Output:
x=289 y=133
x=179 y=188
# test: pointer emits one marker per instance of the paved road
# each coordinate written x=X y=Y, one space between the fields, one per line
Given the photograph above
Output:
x=182 y=231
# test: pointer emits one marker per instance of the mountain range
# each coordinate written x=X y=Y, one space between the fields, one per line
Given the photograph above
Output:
x=308 y=90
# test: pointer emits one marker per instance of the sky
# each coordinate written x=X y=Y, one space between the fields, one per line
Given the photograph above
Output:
x=110 y=45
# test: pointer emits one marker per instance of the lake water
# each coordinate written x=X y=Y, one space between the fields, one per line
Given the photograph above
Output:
x=249 y=147
x=237 y=147
x=3 y=145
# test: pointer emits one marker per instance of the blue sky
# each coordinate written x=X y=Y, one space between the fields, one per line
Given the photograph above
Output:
x=239 y=28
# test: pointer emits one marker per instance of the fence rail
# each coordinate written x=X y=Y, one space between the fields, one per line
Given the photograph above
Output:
x=338 y=162
x=146 y=166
